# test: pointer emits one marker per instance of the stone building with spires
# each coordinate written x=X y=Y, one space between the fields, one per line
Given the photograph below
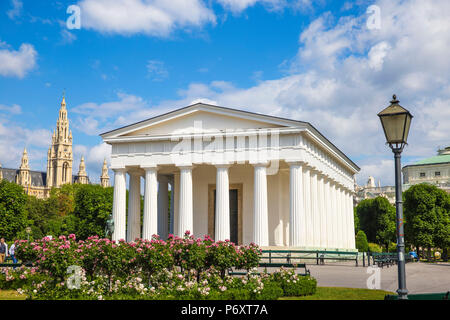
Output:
x=59 y=164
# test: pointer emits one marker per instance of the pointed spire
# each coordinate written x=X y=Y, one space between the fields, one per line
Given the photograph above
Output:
x=104 y=178
x=24 y=162
x=63 y=102
x=82 y=175
x=82 y=169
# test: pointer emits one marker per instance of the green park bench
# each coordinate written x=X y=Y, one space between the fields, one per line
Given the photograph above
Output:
x=295 y=266
x=319 y=255
x=8 y=264
x=387 y=259
x=382 y=259
x=421 y=296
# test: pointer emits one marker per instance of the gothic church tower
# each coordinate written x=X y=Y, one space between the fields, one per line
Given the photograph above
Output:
x=60 y=157
x=24 y=178
x=104 y=178
x=82 y=177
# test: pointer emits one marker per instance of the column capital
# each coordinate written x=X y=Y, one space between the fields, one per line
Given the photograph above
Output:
x=150 y=167
x=118 y=169
x=294 y=162
x=134 y=173
x=260 y=163
x=185 y=166
x=222 y=165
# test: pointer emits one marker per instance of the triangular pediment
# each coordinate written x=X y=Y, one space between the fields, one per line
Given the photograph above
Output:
x=200 y=118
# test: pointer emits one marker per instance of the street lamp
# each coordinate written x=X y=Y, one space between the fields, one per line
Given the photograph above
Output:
x=396 y=121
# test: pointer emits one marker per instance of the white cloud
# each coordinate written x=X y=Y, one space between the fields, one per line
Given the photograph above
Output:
x=238 y=6
x=67 y=37
x=14 y=109
x=93 y=118
x=377 y=54
x=341 y=77
x=17 y=63
x=16 y=9
x=93 y=157
x=152 y=17
x=381 y=170
x=344 y=74
x=203 y=100
x=156 y=70
x=14 y=137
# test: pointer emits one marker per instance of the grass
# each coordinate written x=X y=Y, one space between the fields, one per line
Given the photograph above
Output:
x=11 y=295
x=338 y=293
x=322 y=293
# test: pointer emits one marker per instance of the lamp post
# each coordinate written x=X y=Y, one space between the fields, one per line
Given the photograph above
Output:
x=396 y=121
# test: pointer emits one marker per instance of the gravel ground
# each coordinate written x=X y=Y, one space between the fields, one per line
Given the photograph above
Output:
x=420 y=277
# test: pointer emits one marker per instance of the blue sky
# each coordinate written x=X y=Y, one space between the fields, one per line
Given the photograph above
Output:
x=317 y=61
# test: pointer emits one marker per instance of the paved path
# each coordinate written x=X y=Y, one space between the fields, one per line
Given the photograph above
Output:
x=420 y=277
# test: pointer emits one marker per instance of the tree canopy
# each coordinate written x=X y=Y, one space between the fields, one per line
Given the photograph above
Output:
x=377 y=219
x=13 y=216
x=73 y=208
x=427 y=216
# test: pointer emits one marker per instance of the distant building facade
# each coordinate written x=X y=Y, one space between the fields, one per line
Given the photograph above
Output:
x=371 y=191
x=434 y=170
x=59 y=164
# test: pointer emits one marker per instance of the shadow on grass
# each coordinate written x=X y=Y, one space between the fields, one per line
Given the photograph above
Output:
x=339 y=293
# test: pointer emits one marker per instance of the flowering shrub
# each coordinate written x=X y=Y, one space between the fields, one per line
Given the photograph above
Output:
x=293 y=284
x=178 y=268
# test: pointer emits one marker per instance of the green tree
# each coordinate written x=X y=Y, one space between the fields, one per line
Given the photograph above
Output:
x=361 y=241
x=377 y=219
x=356 y=220
x=426 y=210
x=62 y=200
x=37 y=216
x=13 y=217
x=93 y=205
x=386 y=224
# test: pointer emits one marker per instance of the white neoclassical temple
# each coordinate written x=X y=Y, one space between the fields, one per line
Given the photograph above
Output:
x=233 y=175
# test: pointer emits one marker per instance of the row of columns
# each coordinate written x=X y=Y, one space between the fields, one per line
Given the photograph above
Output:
x=321 y=211
x=155 y=205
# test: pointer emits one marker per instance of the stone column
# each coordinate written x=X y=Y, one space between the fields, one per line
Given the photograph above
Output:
x=340 y=217
x=150 y=225
x=222 y=214
x=176 y=203
x=335 y=213
x=328 y=221
x=352 y=221
x=163 y=207
x=344 y=219
x=314 y=210
x=297 y=219
x=185 y=201
x=172 y=204
x=260 y=214
x=119 y=205
x=322 y=211
x=134 y=207
x=307 y=228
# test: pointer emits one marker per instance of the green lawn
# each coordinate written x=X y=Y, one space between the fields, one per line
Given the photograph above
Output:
x=338 y=293
x=322 y=293
x=11 y=295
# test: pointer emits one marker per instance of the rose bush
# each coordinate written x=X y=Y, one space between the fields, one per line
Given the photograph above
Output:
x=178 y=268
